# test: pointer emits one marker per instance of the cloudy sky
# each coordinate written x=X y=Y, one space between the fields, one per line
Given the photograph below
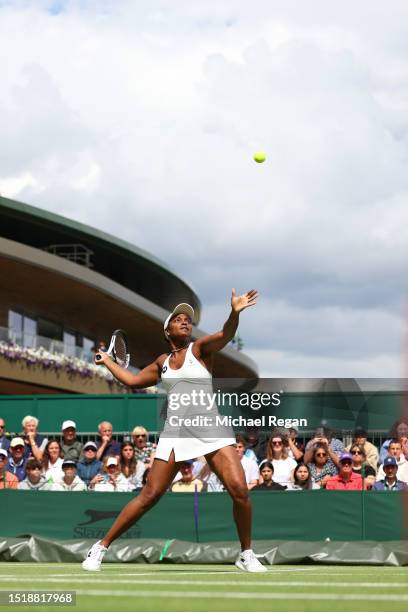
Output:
x=141 y=118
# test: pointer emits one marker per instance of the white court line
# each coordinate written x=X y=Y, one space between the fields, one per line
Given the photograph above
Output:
x=240 y=595
x=257 y=584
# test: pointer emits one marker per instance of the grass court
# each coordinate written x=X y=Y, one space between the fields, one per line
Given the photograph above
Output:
x=196 y=588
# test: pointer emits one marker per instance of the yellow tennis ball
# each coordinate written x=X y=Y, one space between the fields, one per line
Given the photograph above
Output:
x=259 y=157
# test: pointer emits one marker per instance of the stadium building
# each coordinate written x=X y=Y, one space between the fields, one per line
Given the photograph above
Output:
x=65 y=286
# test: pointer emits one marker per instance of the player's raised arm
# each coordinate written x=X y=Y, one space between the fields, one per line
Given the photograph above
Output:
x=145 y=378
x=215 y=342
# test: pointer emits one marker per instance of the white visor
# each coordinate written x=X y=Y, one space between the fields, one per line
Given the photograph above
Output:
x=179 y=309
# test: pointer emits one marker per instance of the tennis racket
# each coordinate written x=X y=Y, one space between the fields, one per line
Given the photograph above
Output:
x=118 y=349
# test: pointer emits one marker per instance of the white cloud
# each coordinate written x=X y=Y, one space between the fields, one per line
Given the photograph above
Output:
x=155 y=109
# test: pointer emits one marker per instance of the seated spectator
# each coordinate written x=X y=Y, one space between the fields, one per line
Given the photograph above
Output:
x=267 y=484
x=334 y=446
x=277 y=454
x=187 y=483
x=302 y=479
x=70 y=481
x=395 y=450
x=107 y=447
x=52 y=461
x=145 y=450
x=111 y=478
x=131 y=468
x=371 y=451
x=202 y=471
x=71 y=446
x=360 y=466
x=256 y=443
x=345 y=480
x=399 y=431
x=390 y=481
x=250 y=466
x=34 y=443
x=17 y=461
x=320 y=468
x=89 y=466
x=7 y=479
x=4 y=441
x=296 y=449
x=34 y=481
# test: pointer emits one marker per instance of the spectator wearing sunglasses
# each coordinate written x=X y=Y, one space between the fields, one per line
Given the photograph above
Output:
x=144 y=450
x=346 y=479
x=371 y=451
x=334 y=446
x=361 y=466
x=320 y=468
x=283 y=465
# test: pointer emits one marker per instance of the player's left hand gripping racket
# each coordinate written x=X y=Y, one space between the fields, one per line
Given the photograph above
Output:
x=118 y=349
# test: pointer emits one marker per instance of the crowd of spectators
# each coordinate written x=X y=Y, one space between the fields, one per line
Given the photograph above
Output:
x=278 y=462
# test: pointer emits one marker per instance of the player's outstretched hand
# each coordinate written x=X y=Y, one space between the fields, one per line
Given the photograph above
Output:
x=240 y=302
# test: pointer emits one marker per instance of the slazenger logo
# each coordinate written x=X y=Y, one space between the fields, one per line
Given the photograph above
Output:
x=164 y=369
x=99 y=515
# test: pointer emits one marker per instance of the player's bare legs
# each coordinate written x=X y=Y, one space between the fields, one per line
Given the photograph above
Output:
x=160 y=477
x=227 y=466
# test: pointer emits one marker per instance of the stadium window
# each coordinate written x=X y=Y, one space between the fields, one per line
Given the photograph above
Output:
x=69 y=343
x=15 y=326
x=29 y=332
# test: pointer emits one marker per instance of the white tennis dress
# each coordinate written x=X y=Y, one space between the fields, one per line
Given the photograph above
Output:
x=189 y=442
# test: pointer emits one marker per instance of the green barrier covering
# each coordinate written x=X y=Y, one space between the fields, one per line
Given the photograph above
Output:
x=297 y=515
x=176 y=551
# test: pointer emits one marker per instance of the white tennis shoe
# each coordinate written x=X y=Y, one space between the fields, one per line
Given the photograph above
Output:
x=94 y=558
x=247 y=562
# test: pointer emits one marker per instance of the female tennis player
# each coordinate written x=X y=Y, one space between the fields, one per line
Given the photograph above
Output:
x=186 y=361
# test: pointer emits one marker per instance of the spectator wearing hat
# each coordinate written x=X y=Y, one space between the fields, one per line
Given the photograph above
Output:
x=70 y=481
x=4 y=441
x=390 y=481
x=52 y=461
x=89 y=466
x=111 y=478
x=17 y=461
x=34 y=443
x=7 y=479
x=34 y=480
x=71 y=446
x=144 y=450
x=187 y=482
x=371 y=451
x=346 y=479
x=268 y=484
x=395 y=450
x=250 y=466
x=106 y=447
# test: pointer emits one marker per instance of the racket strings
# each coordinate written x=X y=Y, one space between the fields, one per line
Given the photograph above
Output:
x=120 y=349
